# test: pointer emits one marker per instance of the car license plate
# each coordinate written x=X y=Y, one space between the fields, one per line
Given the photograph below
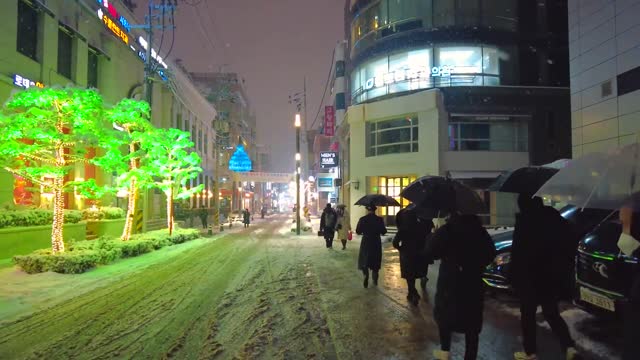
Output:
x=596 y=299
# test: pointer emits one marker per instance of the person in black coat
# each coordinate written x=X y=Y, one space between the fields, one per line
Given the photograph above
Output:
x=328 y=223
x=630 y=221
x=371 y=227
x=410 y=242
x=538 y=229
x=465 y=249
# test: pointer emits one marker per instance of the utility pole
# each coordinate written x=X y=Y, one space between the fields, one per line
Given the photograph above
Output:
x=167 y=7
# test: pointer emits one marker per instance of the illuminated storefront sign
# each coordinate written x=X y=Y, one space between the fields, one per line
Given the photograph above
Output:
x=114 y=14
x=418 y=74
x=328 y=159
x=113 y=27
x=23 y=82
x=154 y=53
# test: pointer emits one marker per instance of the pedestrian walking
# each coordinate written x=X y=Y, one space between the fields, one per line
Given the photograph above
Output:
x=263 y=212
x=539 y=228
x=371 y=227
x=328 y=224
x=203 y=213
x=465 y=249
x=629 y=245
x=344 y=225
x=410 y=242
x=246 y=218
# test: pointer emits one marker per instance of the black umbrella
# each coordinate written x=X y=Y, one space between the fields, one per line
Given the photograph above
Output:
x=525 y=180
x=377 y=200
x=443 y=195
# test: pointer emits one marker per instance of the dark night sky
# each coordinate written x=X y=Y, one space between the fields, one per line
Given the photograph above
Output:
x=273 y=44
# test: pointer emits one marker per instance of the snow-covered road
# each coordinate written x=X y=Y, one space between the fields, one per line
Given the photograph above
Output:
x=254 y=293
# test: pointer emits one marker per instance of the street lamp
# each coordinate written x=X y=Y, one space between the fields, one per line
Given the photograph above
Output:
x=297 y=124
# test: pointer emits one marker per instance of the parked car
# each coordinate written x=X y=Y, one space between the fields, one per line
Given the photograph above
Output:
x=583 y=221
x=603 y=273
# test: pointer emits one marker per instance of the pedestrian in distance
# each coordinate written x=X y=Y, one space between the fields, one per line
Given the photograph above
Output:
x=246 y=218
x=203 y=213
x=465 y=249
x=328 y=224
x=539 y=228
x=371 y=227
x=263 y=212
x=344 y=225
x=629 y=245
x=410 y=242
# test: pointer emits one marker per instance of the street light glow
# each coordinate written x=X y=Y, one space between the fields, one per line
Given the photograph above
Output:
x=298 y=123
x=298 y=157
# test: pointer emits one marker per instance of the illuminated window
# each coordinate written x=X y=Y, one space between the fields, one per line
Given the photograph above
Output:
x=28 y=20
x=392 y=136
x=392 y=186
x=92 y=68
x=65 y=45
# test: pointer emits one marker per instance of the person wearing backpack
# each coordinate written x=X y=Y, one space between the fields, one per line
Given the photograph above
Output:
x=328 y=222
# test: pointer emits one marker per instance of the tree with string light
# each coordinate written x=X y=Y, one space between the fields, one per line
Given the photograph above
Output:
x=170 y=162
x=123 y=152
x=45 y=133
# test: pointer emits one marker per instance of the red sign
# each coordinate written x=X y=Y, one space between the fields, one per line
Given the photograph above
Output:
x=329 y=120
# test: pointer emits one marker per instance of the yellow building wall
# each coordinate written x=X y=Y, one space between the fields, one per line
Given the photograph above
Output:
x=426 y=161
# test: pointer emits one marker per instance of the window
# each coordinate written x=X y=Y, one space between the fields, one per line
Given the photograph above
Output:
x=65 y=43
x=392 y=136
x=488 y=133
x=500 y=14
x=27 y=42
x=390 y=186
x=629 y=81
x=443 y=13
x=92 y=68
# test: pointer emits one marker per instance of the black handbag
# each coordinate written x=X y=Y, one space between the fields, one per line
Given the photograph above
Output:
x=320 y=233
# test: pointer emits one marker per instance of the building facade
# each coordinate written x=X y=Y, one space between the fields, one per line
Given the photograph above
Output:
x=605 y=73
x=90 y=43
x=464 y=88
x=235 y=125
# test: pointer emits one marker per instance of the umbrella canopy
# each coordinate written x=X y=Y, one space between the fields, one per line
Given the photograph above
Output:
x=377 y=200
x=525 y=180
x=443 y=195
x=598 y=180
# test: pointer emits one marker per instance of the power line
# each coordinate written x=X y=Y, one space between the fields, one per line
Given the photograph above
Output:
x=203 y=31
x=326 y=86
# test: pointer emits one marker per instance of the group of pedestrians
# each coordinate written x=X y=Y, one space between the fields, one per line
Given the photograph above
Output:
x=334 y=221
x=465 y=248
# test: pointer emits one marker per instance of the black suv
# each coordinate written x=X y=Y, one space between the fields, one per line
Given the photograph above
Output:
x=584 y=221
x=603 y=274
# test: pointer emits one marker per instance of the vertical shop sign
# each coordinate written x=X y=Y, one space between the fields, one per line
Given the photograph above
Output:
x=329 y=120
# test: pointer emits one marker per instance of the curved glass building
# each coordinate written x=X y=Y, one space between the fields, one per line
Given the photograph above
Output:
x=466 y=88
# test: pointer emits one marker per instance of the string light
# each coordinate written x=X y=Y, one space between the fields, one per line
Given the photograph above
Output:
x=57 y=241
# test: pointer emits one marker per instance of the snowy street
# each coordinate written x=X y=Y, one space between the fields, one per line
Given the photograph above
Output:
x=251 y=293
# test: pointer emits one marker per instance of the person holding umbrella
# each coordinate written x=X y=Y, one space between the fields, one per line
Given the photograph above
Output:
x=465 y=249
x=410 y=242
x=371 y=227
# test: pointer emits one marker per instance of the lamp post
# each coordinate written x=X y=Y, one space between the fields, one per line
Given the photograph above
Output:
x=298 y=158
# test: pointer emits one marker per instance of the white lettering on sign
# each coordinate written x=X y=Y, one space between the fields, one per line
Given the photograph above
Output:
x=25 y=83
x=418 y=74
x=328 y=159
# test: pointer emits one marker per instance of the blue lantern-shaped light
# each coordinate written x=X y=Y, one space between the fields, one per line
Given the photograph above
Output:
x=240 y=161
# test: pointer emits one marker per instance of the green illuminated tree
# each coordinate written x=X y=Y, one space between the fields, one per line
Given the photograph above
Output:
x=171 y=163
x=45 y=133
x=123 y=152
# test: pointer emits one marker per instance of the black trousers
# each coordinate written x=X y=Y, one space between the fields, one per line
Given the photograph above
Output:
x=204 y=222
x=528 y=308
x=328 y=237
x=471 y=341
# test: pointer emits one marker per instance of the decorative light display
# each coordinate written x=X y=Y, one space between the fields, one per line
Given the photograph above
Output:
x=240 y=161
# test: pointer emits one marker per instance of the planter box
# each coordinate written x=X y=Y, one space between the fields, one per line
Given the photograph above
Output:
x=24 y=240
x=112 y=228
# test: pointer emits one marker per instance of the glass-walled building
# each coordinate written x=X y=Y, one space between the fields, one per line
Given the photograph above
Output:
x=465 y=88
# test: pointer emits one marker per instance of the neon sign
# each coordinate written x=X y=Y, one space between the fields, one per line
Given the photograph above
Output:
x=113 y=27
x=417 y=74
x=25 y=83
x=114 y=14
x=154 y=53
